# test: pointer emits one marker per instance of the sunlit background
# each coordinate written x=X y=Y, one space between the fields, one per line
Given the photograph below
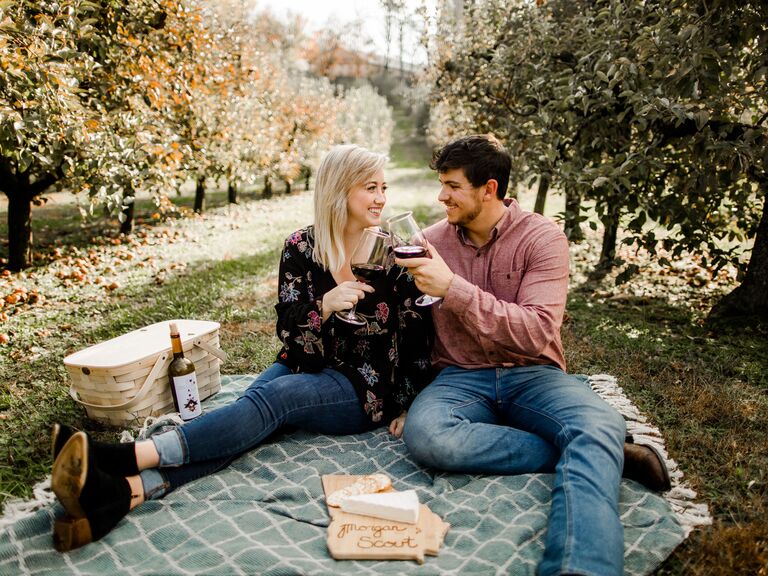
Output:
x=363 y=24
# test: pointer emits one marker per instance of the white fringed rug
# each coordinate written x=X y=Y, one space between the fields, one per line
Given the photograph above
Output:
x=265 y=513
x=681 y=497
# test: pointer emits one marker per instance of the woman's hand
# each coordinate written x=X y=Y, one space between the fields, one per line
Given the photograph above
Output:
x=397 y=425
x=343 y=297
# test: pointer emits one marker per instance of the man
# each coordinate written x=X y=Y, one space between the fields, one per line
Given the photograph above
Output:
x=502 y=402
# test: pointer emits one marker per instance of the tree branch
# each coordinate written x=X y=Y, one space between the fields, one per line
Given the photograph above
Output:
x=671 y=131
x=41 y=184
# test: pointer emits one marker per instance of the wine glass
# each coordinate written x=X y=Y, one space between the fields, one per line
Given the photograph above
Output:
x=368 y=263
x=408 y=241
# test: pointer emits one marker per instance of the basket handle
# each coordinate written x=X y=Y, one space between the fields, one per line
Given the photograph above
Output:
x=153 y=374
x=218 y=352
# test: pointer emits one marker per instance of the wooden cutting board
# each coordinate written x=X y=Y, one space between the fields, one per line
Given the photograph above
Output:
x=356 y=537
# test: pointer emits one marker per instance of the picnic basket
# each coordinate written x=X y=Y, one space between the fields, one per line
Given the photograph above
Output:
x=123 y=380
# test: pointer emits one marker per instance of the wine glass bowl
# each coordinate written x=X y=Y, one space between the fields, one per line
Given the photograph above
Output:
x=368 y=263
x=410 y=251
x=407 y=238
x=408 y=241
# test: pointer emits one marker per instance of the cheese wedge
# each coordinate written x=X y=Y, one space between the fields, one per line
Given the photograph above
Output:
x=397 y=506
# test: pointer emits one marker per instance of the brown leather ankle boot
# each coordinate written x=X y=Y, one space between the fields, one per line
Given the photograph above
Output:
x=94 y=500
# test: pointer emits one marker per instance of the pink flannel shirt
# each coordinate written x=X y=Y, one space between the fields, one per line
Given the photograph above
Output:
x=505 y=305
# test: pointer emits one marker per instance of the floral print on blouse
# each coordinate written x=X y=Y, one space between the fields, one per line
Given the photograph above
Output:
x=387 y=360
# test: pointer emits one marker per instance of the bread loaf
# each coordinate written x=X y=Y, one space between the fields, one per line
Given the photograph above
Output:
x=365 y=485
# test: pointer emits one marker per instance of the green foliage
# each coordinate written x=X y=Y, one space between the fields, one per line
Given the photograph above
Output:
x=652 y=110
x=366 y=119
x=111 y=99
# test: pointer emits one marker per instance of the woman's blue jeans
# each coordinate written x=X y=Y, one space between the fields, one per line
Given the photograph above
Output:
x=323 y=402
x=533 y=419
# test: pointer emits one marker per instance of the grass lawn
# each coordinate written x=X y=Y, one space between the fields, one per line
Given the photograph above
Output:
x=707 y=392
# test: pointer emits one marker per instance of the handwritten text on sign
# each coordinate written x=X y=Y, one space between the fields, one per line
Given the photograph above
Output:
x=375 y=536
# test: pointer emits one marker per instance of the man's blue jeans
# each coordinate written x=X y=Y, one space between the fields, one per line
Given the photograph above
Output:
x=323 y=402
x=533 y=419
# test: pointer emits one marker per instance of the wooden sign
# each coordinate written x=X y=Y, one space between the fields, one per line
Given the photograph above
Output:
x=356 y=537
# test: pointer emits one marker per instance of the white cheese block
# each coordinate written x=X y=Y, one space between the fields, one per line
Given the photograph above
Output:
x=397 y=506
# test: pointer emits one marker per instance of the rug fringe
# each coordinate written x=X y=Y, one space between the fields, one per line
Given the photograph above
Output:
x=681 y=497
x=152 y=425
x=17 y=508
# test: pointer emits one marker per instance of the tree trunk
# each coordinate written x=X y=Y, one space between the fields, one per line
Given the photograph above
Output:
x=232 y=193
x=307 y=174
x=19 y=231
x=126 y=224
x=267 y=188
x=541 y=195
x=20 y=190
x=401 y=25
x=572 y=211
x=200 y=195
x=608 y=251
x=748 y=302
x=287 y=187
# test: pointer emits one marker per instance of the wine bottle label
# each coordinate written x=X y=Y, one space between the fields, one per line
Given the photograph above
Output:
x=187 y=396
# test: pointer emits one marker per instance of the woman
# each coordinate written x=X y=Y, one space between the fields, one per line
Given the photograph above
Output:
x=330 y=377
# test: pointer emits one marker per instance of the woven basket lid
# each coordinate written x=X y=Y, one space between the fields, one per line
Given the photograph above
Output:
x=142 y=344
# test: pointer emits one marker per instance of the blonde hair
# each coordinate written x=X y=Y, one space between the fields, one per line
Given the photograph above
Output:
x=342 y=168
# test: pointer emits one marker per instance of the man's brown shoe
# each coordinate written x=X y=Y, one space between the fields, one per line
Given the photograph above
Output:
x=644 y=464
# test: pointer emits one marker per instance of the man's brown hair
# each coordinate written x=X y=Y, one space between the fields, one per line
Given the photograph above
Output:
x=481 y=156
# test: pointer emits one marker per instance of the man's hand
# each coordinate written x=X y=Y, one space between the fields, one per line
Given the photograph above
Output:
x=397 y=425
x=343 y=297
x=432 y=275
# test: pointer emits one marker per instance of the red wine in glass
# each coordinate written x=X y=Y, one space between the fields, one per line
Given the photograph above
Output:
x=408 y=241
x=367 y=272
x=411 y=252
x=367 y=263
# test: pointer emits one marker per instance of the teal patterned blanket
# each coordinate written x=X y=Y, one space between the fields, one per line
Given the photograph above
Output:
x=266 y=515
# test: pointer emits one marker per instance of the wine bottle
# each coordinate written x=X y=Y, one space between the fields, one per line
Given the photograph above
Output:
x=183 y=380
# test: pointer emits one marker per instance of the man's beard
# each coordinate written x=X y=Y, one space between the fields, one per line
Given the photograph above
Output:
x=468 y=218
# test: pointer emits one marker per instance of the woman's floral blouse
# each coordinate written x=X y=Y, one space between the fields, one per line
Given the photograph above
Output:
x=386 y=360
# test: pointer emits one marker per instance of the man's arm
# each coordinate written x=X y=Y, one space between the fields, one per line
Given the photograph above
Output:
x=524 y=326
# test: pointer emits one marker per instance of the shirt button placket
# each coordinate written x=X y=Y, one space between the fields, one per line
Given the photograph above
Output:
x=478 y=270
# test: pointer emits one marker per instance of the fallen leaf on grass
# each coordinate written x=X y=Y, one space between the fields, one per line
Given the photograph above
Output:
x=35 y=298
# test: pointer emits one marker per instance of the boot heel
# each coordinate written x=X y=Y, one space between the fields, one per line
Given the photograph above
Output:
x=70 y=533
x=70 y=472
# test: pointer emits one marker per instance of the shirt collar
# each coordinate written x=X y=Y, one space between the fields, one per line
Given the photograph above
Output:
x=513 y=209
